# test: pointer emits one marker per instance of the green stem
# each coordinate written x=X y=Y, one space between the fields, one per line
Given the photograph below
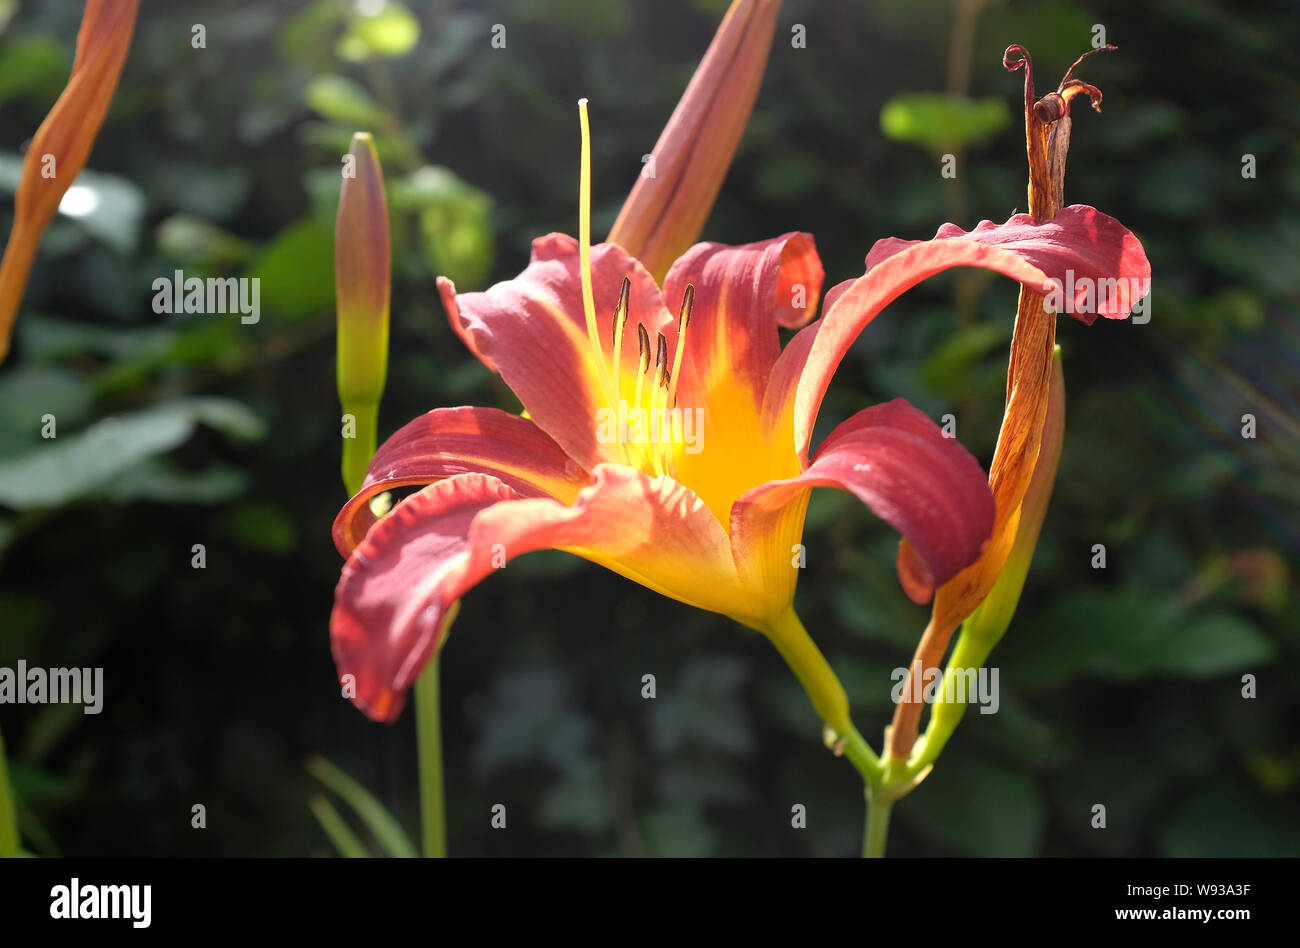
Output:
x=8 y=818
x=824 y=690
x=359 y=449
x=877 y=831
x=971 y=651
x=859 y=753
x=428 y=728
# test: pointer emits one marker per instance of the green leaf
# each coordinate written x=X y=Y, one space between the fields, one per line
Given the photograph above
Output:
x=867 y=683
x=459 y=243
x=194 y=242
x=296 y=271
x=28 y=394
x=108 y=207
x=50 y=340
x=336 y=828
x=948 y=368
x=261 y=526
x=71 y=466
x=34 y=785
x=391 y=32
x=1224 y=820
x=387 y=831
x=871 y=605
x=1127 y=634
x=32 y=65
x=788 y=177
x=455 y=222
x=978 y=807
x=157 y=480
x=33 y=830
x=579 y=800
x=703 y=709
x=942 y=122
x=679 y=831
x=342 y=100
x=305 y=35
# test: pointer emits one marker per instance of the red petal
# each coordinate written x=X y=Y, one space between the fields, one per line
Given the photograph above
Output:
x=398 y=584
x=897 y=462
x=447 y=291
x=532 y=330
x=811 y=358
x=1081 y=247
x=450 y=441
x=742 y=294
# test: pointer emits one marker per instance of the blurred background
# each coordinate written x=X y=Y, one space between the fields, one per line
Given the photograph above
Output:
x=1120 y=686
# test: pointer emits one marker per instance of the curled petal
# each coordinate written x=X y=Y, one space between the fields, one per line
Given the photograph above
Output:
x=447 y=293
x=811 y=358
x=1092 y=255
x=396 y=588
x=1081 y=251
x=450 y=441
x=401 y=580
x=897 y=462
x=531 y=329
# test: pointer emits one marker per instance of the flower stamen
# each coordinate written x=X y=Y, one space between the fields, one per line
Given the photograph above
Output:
x=656 y=404
x=688 y=301
x=584 y=255
x=620 y=320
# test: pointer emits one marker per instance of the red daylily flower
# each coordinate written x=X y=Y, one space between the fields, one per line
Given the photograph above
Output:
x=712 y=522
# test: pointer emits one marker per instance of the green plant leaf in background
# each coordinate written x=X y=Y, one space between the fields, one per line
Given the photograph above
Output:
x=336 y=828
x=296 y=271
x=979 y=808
x=74 y=465
x=455 y=223
x=1130 y=633
x=382 y=825
x=941 y=122
x=388 y=32
x=343 y=100
x=32 y=66
x=108 y=207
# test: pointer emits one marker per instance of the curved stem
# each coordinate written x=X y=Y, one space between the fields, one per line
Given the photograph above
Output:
x=428 y=728
x=859 y=753
x=813 y=671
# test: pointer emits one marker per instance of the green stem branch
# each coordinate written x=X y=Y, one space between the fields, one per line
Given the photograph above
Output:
x=428 y=726
x=877 y=831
